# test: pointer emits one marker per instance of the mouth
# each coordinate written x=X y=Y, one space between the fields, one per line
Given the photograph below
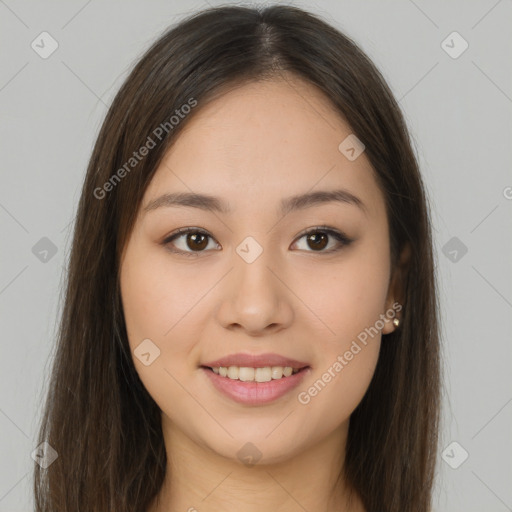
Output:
x=254 y=386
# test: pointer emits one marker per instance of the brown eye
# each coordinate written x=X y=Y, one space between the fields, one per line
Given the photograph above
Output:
x=317 y=241
x=196 y=241
x=188 y=241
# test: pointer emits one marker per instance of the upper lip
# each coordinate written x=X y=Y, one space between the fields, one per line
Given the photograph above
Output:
x=255 y=361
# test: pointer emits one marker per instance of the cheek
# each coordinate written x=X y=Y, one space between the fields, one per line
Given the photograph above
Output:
x=345 y=298
x=157 y=297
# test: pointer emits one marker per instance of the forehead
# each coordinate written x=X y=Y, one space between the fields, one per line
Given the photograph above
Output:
x=262 y=141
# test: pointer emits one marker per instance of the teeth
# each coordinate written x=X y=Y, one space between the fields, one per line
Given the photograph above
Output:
x=233 y=372
x=263 y=374
x=277 y=372
x=287 y=371
x=246 y=374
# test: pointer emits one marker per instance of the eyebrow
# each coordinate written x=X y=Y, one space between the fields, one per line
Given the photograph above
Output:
x=214 y=204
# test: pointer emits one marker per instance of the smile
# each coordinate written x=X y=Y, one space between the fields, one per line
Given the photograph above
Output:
x=255 y=386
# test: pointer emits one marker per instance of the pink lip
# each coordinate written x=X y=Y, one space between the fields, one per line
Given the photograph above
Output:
x=255 y=361
x=256 y=393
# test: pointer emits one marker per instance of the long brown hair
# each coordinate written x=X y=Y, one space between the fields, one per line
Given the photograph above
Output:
x=98 y=416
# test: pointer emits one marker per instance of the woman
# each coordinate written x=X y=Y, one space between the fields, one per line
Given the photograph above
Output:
x=250 y=320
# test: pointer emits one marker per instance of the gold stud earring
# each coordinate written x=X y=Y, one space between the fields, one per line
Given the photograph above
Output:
x=396 y=322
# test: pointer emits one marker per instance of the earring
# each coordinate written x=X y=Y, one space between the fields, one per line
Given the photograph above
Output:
x=396 y=322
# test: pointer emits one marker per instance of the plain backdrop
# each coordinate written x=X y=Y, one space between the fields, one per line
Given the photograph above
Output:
x=457 y=102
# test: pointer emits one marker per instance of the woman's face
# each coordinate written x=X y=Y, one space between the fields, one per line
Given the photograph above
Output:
x=249 y=285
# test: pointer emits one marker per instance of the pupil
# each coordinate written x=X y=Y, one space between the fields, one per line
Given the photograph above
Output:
x=313 y=238
x=194 y=237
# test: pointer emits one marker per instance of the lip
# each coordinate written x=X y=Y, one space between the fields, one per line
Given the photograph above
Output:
x=255 y=361
x=255 y=393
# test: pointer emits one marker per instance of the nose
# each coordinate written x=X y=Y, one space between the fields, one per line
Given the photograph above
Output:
x=255 y=297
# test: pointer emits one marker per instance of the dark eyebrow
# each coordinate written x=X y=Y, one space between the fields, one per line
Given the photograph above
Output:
x=293 y=203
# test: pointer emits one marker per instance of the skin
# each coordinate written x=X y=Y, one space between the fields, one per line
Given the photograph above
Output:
x=252 y=147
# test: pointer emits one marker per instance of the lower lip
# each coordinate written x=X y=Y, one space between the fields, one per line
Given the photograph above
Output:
x=256 y=393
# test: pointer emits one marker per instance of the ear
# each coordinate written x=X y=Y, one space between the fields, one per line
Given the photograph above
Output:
x=396 y=290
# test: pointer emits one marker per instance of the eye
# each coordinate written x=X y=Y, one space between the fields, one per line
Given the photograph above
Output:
x=318 y=238
x=195 y=240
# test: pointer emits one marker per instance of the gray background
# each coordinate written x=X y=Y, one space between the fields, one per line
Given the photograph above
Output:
x=458 y=110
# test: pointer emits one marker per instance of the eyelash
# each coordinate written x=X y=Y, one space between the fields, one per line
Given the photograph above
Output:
x=343 y=239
